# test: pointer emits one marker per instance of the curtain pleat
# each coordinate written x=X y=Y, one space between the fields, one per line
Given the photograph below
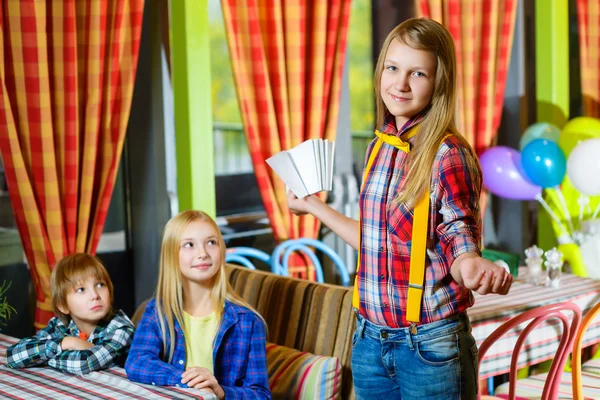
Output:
x=66 y=83
x=287 y=59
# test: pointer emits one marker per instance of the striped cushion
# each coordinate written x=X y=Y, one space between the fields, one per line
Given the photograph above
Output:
x=308 y=316
x=532 y=387
x=300 y=375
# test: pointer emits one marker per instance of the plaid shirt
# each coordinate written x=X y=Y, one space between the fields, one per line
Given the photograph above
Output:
x=111 y=342
x=386 y=230
x=239 y=354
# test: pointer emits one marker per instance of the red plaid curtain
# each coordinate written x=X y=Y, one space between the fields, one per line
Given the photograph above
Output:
x=287 y=59
x=66 y=84
x=483 y=34
x=588 y=14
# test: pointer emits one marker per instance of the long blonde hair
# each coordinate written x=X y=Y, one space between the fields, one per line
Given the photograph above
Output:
x=169 y=292
x=439 y=119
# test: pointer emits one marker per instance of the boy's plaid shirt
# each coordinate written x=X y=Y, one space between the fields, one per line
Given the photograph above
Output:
x=111 y=344
x=454 y=228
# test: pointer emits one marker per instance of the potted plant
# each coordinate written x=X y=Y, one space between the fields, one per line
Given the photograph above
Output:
x=6 y=310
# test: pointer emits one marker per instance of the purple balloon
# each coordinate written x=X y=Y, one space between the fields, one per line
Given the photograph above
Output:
x=503 y=175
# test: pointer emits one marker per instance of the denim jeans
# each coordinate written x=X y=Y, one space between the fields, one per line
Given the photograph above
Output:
x=439 y=362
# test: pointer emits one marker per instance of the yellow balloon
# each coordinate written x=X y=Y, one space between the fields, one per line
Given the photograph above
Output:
x=578 y=130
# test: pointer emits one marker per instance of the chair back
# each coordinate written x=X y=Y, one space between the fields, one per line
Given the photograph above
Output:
x=281 y=254
x=239 y=255
x=577 y=347
x=537 y=316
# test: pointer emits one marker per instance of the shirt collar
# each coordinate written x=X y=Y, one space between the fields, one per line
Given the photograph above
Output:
x=389 y=124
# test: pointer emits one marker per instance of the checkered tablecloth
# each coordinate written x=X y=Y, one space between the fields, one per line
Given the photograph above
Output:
x=48 y=383
x=490 y=311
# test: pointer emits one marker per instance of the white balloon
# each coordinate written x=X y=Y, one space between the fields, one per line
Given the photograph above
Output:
x=583 y=167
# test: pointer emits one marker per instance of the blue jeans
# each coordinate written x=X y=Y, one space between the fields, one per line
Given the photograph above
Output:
x=439 y=362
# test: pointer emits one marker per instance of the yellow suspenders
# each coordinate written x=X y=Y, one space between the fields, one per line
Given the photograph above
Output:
x=419 y=234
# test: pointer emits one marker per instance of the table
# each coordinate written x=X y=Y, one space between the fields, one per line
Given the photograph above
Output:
x=49 y=383
x=490 y=311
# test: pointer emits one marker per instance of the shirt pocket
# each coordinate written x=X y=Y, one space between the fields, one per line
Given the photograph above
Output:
x=400 y=220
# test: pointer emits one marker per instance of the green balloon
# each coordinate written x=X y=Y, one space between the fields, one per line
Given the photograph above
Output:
x=577 y=130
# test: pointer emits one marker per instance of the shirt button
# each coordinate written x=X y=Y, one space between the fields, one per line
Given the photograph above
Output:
x=153 y=384
x=385 y=305
x=381 y=249
x=382 y=277
x=180 y=362
x=384 y=335
x=177 y=384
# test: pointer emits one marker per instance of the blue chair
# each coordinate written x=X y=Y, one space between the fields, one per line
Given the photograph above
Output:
x=281 y=254
x=239 y=255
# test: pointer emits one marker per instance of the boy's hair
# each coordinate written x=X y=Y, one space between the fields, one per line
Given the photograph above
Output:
x=439 y=119
x=68 y=273
x=169 y=289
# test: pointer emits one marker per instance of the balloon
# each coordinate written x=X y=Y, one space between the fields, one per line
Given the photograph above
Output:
x=583 y=167
x=544 y=163
x=578 y=130
x=539 y=130
x=502 y=175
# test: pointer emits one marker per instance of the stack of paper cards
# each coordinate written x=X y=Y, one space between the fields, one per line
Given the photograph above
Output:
x=306 y=168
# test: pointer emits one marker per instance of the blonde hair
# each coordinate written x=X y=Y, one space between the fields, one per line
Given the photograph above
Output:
x=439 y=119
x=169 y=292
x=70 y=272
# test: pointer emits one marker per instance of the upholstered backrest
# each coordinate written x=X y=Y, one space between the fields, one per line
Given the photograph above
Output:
x=303 y=315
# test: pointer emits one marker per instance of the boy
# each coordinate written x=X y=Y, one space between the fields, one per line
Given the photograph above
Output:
x=87 y=334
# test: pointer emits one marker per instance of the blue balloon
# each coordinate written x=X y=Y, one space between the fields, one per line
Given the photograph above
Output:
x=544 y=163
x=539 y=130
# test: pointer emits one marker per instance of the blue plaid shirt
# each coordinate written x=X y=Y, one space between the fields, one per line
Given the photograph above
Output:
x=111 y=342
x=239 y=354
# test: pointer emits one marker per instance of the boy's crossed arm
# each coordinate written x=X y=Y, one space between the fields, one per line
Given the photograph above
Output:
x=54 y=347
x=103 y=354
x=38 y=349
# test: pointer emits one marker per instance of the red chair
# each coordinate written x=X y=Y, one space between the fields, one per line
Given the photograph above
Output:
x=537 y=316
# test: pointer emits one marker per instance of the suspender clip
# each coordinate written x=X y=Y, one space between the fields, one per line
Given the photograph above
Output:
x=413 y=328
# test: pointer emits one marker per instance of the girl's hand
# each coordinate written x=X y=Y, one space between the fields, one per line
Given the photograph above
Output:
x=300 y=206
x=202 y=378
x=75 y=343
x=481 y=275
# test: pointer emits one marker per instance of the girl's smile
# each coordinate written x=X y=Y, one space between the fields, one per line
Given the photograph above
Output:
x=202 y=266
x=399 y=98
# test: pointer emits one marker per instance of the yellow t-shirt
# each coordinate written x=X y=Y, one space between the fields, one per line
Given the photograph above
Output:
x=199 y=337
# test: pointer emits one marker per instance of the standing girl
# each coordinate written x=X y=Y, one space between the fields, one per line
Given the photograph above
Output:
x=419 y=233
x=196 y=332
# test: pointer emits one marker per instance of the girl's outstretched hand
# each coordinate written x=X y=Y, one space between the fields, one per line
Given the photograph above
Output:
x=202 y=378
x=481 y=275
x=300 y=206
